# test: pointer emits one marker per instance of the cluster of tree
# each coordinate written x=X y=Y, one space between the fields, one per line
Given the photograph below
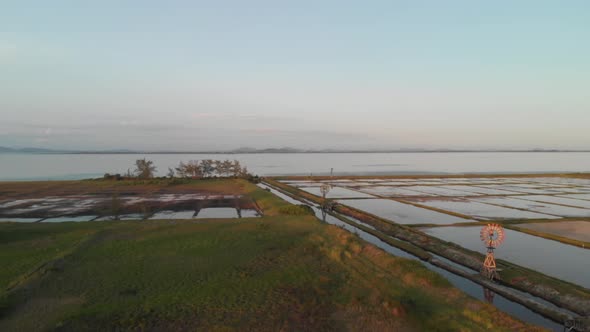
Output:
x=209 y=168
x=145 y=169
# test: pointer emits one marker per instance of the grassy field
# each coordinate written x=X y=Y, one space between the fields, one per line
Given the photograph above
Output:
x=279 y=272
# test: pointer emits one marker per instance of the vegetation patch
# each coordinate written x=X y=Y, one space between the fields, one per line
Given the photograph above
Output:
x=297 y=210
x=279 y=272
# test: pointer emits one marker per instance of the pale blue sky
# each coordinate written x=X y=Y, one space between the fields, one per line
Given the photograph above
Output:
x=313 y=74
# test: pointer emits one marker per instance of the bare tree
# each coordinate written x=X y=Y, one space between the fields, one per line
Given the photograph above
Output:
x=191 y=169
x=236 y=168
x=144 y=169
x=224 y=167
x=194 y=169
x=208 y=167
x=171 y=172
x=181 y=170
x=244 y=172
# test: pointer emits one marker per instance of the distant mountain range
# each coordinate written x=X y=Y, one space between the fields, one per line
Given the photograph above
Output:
x=4 y=149
x=25 y=150
x=245 y=150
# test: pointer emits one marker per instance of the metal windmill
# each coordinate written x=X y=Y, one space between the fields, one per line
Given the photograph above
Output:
x=493 y=236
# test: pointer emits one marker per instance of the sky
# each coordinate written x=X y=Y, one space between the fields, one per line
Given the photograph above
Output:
x=219 y=75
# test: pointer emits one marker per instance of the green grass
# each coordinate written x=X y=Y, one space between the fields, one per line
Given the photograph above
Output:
x=289 y=271
x=26 y=248
x=277 y=272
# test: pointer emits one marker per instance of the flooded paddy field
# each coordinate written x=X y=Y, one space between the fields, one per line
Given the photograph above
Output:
x=576 y=190
x=553 y=258
x=536 y=206
x=82 y=208
x=482 y=211
x=483 y=198
x=390 y=191
x=225 y=212
x=444 y=191
x=89 y=201
x=337 y=192
x=577 y=230
x=402 y=213
x=480 y=190
x=528 y=190
x=585 y=197
x=171 y=214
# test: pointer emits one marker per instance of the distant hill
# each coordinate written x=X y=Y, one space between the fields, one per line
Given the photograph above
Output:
x=4 y=149
x=269 y=150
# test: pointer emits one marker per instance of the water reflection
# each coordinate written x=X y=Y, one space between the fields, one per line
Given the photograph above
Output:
x=488 y=294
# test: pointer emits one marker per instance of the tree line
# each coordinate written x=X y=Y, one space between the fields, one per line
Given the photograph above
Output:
x=193 y=169
x=209 y=168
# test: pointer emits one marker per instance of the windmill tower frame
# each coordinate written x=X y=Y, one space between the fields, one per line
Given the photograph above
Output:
x=493 y=236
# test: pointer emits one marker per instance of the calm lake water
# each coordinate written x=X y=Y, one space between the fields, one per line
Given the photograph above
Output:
x=68 y=166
